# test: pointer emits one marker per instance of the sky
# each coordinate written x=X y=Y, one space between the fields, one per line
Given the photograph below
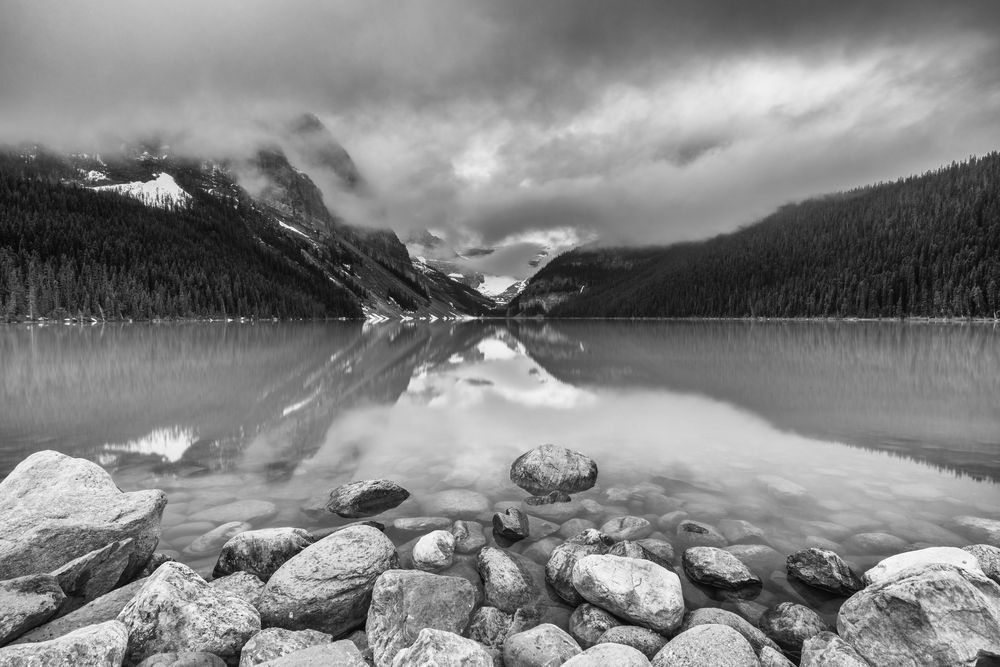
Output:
x=490 y=121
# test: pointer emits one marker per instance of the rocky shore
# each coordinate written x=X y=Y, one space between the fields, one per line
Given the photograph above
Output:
x=82 y=582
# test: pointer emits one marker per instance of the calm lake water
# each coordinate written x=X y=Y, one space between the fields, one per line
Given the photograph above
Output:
x=889 y=427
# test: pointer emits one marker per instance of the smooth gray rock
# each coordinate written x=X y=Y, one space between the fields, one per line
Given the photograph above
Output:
x=697 y=534
x=456 y=504
x=542 y=646
x=105 y=608
x=27 y=602
x=989 y=559
x=790 y=624
x=434 y=551
x=511 y=524
x=771 y=658
x=183 y=659
x=90 y=576
x=272 y=643
x=762 y=560
x=979 y=529
x=627 y=528
x=630 y=549
x=644 y=640
x=783 y=490
x=658 y=551
x=715 y=567
x=55 y=509
x=932 y=615
x=587 y=623
x=243 y=585
x=328 y=585
x=176 y=610
x=404 y=602
x=710 y=615
x=101 y=645
x=341 y=653
x=574 y=527
x=508 y=583
x=828 y=650
x=705 y=646
x=469 y=536
x=606 y=655
x=421 y=524
x=490 y=627
x=261 y=552
x=548 y=499
x=443 y=649
x=632 y=589
x=738 y=531
x=366 y=498
x=551 y=468
x=889 y=568
x=559 y=568
x=825 y=570
x=211 y=542
x=874 y=543
x=242 y=511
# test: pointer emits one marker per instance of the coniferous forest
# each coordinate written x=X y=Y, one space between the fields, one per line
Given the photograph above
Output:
x=67 y=251
x=924 y=246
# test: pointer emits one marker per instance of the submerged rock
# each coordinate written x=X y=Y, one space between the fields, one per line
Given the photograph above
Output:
x=508 y=583
x=55 y=509
x=644 y=640
x=737 y=531
x=243 y=511
x=443 y=649
x=548 y=499
x=421 y=524
x=366 y=498
x=711 y=566
x=213 y=540
x=627 y=528
x=540 y=646
x=328 y=585
x=456 y=504
x=587 y=623
x=890 y=568
x=261 y=552
x=469 y=536
x=783 y=490
x=935 y=615
x=559 y=568
x=272 y=643
x=27 y=602
x=630 y=549
x=704 y=645
x=404 y=602
x=176 y=610
x=551 y=468
x=874 y=543
x=434 y=551
x=102 y=645
x=790 y=624
x=824 y=569
x=511 y=524
x=636 y=590
x=697 y=534
x=980 y=529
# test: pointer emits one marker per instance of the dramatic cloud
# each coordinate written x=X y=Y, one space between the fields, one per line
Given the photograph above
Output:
x=631 y=122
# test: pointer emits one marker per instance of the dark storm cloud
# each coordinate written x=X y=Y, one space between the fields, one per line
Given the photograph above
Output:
x=634 y=121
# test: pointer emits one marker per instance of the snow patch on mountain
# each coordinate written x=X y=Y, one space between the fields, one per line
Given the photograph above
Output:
x=161 y=192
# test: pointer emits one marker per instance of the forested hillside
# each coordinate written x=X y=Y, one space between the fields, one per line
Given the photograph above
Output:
x=922 y=246
x=68 y=251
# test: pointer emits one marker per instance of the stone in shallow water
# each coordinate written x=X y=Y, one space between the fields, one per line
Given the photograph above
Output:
x=710 y=566
x=244 y=511
x=874 y=543
x=757 y=639
x=272 y=643
x=55 y=509
x=508 y=583
x=511 y=524
x=738 y=531
x=404 y=602
x=456 y=504
x=213 y=540
x=627 y=528
x=443 y=649
x=552 y=468
x=100 y=645
x=789 y=624
x=434 y=551
x=980 y=529
x=559 y=568
x=27 y=602
x=936 y=610
x=540 y=646
x=421 y=524
x=636 y=590
x=783 y=490
x=574 y=527
x=604 y=655
x=828 y=650
x=261 y=552
x=548 y=499
x=490 y=626
x=824 y=570
x=704 y=645
x=644 y=640
x=697 y=534
x=587 y=623
x=366 y=498
x=890 y=568
x=761 y=559
x=328 y=585
x=469 y=536
x=630 y=549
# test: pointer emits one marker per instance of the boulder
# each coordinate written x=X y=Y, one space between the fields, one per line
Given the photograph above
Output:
x=511 y=524
x=490 y=626
x=711 y=566
x=469 y=536
x=434 y=551
x=604 y=655
x=932 y=615
x=548 y=499
x=183 y=659
x=55 y=509
x=551 y=468
x=101 y=645
x=710 y=615
x=443 y=649
x=243 y=585
x=27 y=602
x=644 y=640
x=707 y=645
x=542 y=646
x=105 y=608
x=770 y=658
x=636 y=590
x=890 y=568
x=828 y=650
x=341 y=653
x=989 y=559
x=587 y=623
x=658 y=551
x=979 y=529
x=211 y=542
x=790 y=624
x=176 y=610
x=90 y=576
x=241 y=511
x=559 y=568
x=508 y=583
x=328 y=585
x=272 y=643
x=627 y=528
x=825 y=570
x=261 y=552
x=366 y=498
x=697 y=534
x=456 y=504
x=404 y=602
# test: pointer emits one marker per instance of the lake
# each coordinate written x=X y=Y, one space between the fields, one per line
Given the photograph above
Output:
x=887 y=427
